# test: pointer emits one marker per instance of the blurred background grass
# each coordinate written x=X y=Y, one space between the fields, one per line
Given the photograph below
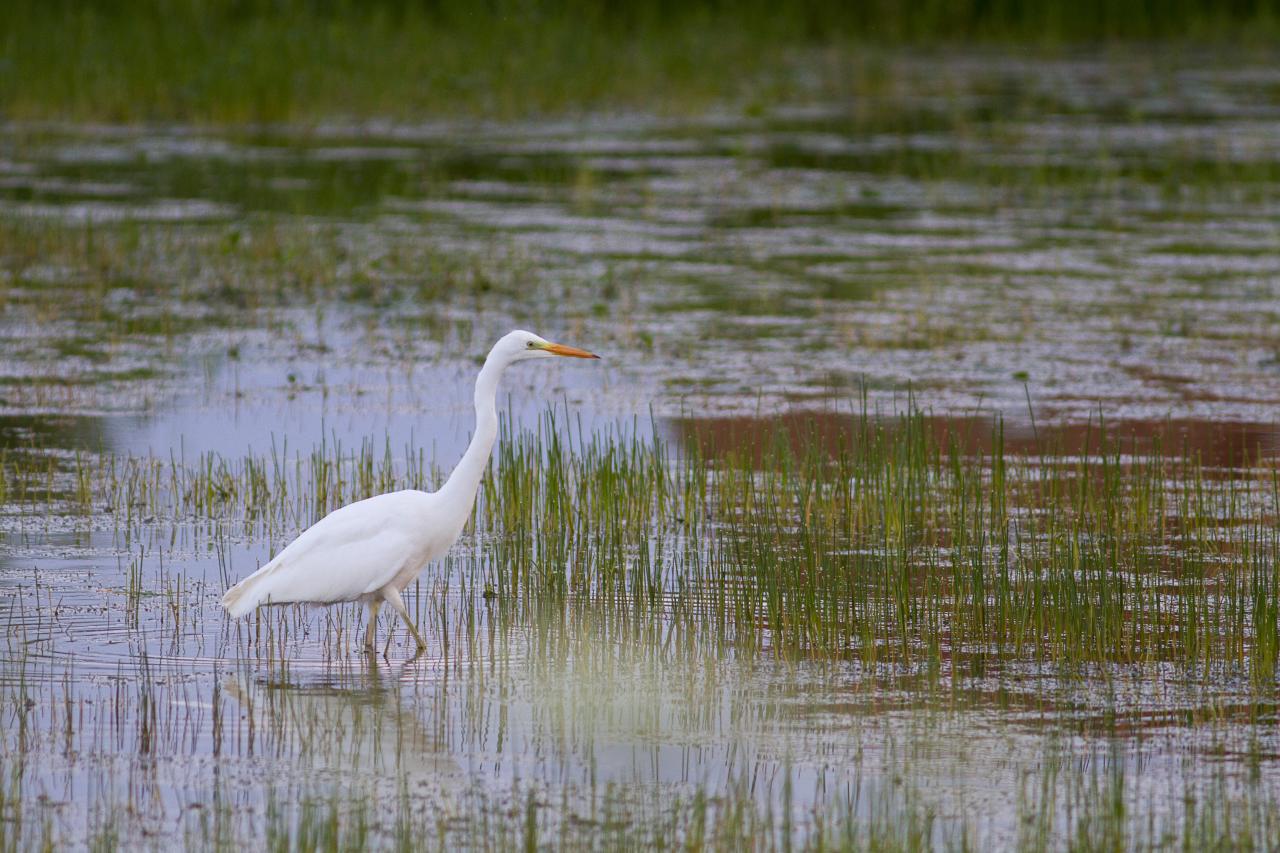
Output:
x=301 y=60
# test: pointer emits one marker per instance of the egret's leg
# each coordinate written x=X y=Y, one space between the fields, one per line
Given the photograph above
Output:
x=392 y=596
x=371 y=633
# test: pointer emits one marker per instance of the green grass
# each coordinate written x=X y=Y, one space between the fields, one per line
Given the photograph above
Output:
x=219 y=61
x=901 y=545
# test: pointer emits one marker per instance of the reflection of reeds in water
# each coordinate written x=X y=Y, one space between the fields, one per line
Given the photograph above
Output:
x=1086 y=804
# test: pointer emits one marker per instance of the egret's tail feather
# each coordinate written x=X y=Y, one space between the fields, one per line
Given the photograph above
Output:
x=243 y=597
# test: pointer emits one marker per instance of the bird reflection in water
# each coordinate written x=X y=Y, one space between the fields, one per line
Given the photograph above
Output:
x=348 y=720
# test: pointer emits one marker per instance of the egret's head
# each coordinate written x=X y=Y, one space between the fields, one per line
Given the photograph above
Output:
x=521 y=345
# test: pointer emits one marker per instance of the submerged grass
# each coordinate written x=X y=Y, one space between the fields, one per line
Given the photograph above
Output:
x=905 y=541
x=198 y=273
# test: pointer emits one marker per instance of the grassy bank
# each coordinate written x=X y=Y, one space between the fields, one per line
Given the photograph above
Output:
x=299 y=61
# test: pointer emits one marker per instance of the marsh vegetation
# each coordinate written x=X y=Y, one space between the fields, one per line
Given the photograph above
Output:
x=220 y=62
x=927 y=499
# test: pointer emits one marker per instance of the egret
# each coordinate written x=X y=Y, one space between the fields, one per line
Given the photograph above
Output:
x=370 y=550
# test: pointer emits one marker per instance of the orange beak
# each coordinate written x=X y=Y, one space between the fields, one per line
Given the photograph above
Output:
x=572 y=352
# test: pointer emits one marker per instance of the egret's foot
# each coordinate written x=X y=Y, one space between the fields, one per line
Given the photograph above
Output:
x=420 y=643
x=392 y=596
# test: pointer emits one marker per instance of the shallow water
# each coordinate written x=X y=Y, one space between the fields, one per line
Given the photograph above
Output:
x=1075 y=239
x=162 y=703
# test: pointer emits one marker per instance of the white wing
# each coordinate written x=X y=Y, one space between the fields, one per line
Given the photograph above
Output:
x=351 y=552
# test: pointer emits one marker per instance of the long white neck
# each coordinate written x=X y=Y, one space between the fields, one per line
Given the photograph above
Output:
x=459 y=491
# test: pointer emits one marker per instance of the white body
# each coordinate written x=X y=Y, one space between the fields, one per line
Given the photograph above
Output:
x=372 y=549
x=356 y=551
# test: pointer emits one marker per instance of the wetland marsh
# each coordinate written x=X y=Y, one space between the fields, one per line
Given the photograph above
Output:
x=926 y=497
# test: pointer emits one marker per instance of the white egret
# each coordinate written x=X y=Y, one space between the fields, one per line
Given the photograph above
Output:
x=372 y=549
